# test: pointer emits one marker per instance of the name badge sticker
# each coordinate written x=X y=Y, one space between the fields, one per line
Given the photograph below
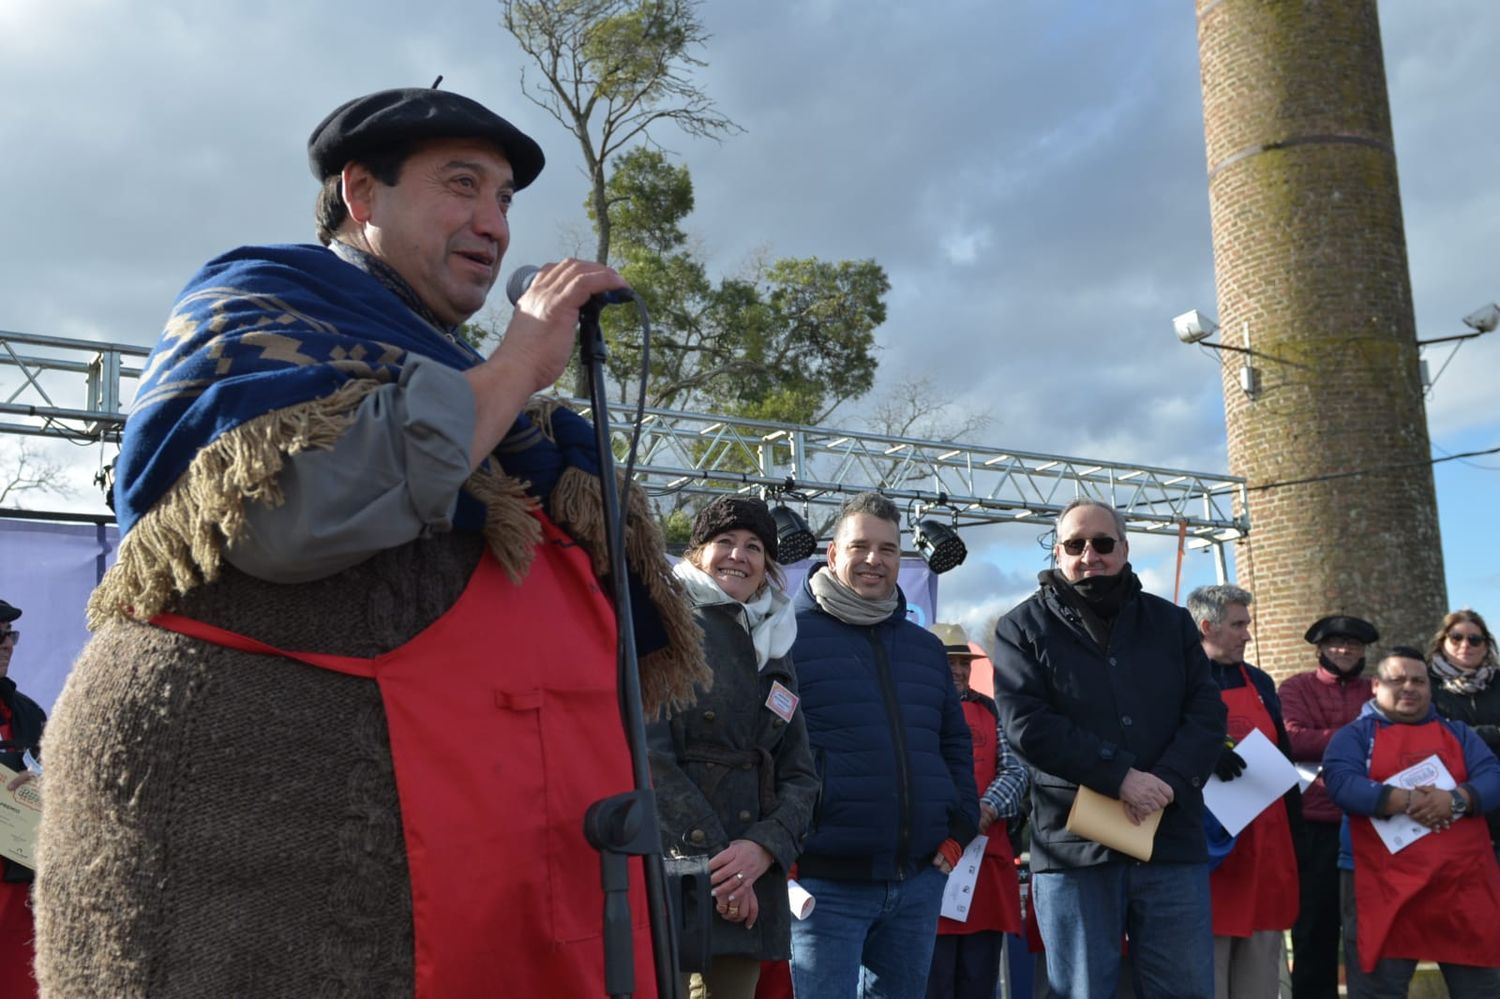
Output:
x=782 y=702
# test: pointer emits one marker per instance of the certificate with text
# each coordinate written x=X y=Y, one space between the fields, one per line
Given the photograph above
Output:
x=20 y=811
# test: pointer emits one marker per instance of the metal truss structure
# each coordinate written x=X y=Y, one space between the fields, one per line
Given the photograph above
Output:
x=699 y=453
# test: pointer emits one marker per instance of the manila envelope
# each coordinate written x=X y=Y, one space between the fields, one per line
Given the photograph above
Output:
x=1102 y=819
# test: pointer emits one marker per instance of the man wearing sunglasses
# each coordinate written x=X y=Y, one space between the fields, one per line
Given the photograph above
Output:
x=21 y=723
x=1105 y=686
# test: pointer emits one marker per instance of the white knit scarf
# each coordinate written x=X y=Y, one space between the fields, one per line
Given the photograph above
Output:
x=768 y=616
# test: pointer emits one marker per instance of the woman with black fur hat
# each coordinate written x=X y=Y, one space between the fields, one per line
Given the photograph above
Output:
x=734 y=775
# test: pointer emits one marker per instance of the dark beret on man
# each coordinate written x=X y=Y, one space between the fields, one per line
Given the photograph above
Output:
x=727 y=513
x=394 y=117
x=1342 y=626
x=8 y=613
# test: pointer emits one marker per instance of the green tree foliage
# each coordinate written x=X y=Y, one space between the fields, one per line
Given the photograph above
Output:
x=610 y=70
x=789 y=342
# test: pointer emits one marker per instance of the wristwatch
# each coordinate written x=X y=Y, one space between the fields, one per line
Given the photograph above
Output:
x=1460 y=806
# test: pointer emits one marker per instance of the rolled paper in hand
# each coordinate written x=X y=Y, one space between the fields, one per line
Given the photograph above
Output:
x=802 y=902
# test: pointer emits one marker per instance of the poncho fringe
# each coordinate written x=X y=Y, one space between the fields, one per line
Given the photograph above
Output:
x=178 y=544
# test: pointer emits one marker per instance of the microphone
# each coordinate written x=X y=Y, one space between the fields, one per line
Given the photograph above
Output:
x=521 y=278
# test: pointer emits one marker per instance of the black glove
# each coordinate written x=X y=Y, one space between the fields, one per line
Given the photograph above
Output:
x=1230 y=765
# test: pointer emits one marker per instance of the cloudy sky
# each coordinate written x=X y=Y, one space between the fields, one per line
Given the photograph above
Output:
x=1031 y=175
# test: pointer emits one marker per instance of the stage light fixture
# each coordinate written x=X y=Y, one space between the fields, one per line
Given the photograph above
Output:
x=939 y=545
x=795 y=541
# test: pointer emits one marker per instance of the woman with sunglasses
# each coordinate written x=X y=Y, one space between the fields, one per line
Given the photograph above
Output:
x=1466 y=682
x=734 y=774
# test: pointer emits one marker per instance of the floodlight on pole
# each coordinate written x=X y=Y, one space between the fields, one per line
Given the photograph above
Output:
x=1193 y=326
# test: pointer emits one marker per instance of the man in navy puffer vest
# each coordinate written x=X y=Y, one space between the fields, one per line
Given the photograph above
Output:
x=892 y=748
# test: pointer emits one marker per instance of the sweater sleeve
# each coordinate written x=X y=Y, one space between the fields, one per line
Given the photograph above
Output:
x=392 y=477
x=1007 y=792
x=1308 y=737
x=1346 y=772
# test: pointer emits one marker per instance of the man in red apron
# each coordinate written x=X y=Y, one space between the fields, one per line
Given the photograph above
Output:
x=1254 y=889
x=21 y=724
x=1435 y=896
x=966 y=960
x=352 y=684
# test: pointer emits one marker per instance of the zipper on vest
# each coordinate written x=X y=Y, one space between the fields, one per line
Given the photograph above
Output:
x=898 y=739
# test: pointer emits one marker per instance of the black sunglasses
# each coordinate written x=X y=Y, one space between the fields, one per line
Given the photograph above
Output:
x=1474 y=640
x=12 y=634
x=1075 y=546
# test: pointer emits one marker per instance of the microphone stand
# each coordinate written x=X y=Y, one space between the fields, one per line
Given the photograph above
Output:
x=624 y=824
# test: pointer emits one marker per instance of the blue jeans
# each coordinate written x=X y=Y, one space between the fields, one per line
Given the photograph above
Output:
x=867 y=939
x=1085 y=913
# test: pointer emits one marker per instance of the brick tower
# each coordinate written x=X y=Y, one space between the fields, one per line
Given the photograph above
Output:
x=1310 y=260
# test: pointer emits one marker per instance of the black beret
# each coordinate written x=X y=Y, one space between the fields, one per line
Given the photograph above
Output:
x=380 y=120
x=726 y=513
x=8 y=613
x=1342 y=626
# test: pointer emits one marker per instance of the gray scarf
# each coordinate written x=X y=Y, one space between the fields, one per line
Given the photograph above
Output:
x=843 y=603
x=1461 y=681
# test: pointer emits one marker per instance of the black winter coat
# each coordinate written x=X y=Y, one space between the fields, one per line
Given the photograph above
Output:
x=1079 y=714
x=1481 y=712
x=729 y=768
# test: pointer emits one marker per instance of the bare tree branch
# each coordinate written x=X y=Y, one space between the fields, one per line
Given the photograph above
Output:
x=27 y=471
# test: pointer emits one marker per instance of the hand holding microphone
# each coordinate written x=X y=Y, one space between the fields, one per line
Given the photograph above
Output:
x=521 y=279
x=537 y=344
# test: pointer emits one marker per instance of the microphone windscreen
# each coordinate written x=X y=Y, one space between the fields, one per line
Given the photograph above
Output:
x=520 y=280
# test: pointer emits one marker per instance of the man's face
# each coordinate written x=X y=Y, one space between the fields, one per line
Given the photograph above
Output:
x=865 y=555
x=443 y=225
x=1225 y=642
x=1087 y=523
x=960 y=667
x=1402 y=689
x=1343 y=651
x=8 y=638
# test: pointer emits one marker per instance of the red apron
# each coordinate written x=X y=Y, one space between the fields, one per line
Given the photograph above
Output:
x=1443 y=889
x=17 y=932
x=504 y=728
x=997 y=897
x=1255 y=888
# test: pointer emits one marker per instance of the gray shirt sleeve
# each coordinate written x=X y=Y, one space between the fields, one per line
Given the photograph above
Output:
x=392 y=477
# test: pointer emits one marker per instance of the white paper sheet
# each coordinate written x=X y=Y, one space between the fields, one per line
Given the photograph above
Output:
x=1306 y=774
x=1400 y=831
x=958 y=893
x=1268 y=775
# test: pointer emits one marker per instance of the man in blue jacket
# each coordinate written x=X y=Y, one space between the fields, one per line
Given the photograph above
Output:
x=1102 y=685
x=893 y=751
x=1434 y=897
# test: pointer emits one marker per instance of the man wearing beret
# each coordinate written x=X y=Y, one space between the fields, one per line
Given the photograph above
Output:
x=352 y=684
x=1315 y=705
x=21 y=723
